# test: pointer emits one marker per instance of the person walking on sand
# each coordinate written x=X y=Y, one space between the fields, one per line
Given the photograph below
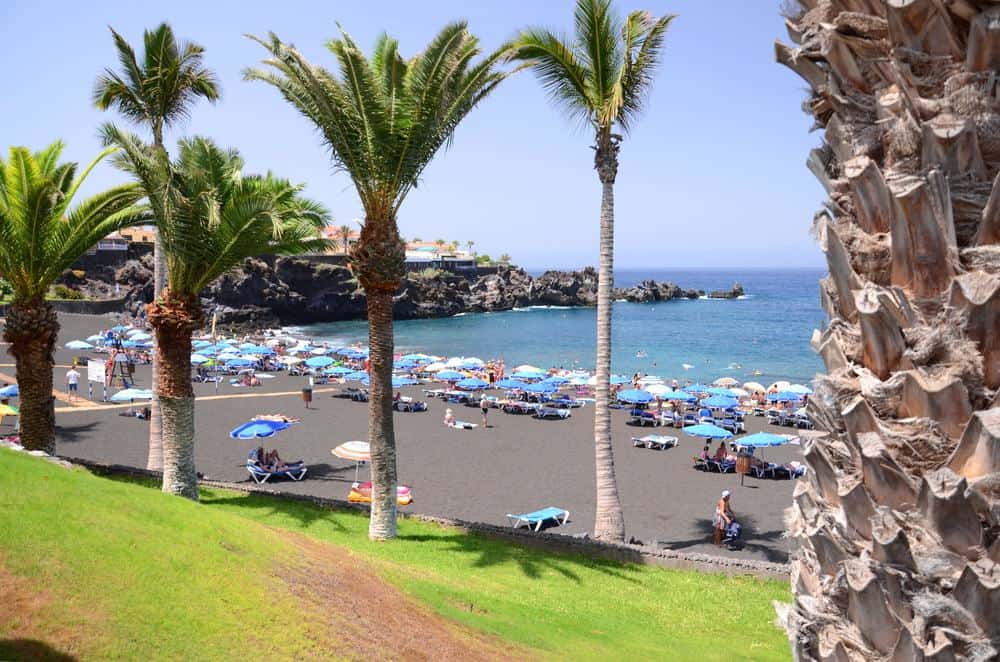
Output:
x=723 y=516
x=72 y=382
x=484 y=406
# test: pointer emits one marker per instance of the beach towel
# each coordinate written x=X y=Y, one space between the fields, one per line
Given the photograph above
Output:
x=462 y=425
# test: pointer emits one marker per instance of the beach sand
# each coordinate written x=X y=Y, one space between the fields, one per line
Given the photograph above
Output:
x=518 y=464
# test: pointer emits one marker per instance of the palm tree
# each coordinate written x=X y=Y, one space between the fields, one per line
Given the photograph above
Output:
x=40 y=237
x=384 y=119
x=344 y=234
x=218 y=216
x=896 y=522
x=441 y=243
x=505 y=258
x=601 y=78
x=469 y=244
x=157 y=93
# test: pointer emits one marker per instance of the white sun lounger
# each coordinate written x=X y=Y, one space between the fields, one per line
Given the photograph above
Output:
x=654 y=441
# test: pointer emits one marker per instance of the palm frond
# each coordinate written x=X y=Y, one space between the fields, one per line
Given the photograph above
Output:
x=597 y=33
x=643 y=36
x=560 y=71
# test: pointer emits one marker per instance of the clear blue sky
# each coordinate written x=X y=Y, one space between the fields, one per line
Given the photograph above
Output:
x=713 y=174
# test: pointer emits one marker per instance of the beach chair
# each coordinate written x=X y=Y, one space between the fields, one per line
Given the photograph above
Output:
x=535 y=520
x=641 y=417
x=360 y=396
x=689 y=419
x=433 y=392
x=700 y=463
x=294 y=470
x=654 y=442
x=520 y=408
x=762 y=471
x=409 y=405
x=757 y=411
x=773 y=417
x=551 y=413
x=464 y=425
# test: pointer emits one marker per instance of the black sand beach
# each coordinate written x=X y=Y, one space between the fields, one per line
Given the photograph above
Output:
x=518 y=464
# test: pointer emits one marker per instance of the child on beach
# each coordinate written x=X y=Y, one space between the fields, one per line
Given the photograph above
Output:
x=449 y=418
x=484 y=406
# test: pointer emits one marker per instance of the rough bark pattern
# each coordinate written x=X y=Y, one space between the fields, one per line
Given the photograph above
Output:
x=378 y=259
x=174 y=319
x=897 y=521
x=609 y=520
x=154 y=460
x=31 y=330
x=381 y=435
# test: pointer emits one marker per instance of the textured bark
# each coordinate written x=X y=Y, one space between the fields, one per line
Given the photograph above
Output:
x=609 y=520
x=154 y=459
x=174 y=318
x=378 y=259
x=31 y=330
x=897 y=524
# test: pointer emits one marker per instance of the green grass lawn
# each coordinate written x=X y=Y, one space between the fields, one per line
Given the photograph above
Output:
x=139 y=571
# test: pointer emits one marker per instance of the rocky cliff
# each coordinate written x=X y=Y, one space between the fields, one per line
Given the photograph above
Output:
x=278 y=290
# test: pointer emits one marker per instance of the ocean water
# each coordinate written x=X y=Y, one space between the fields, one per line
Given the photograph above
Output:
x=767 y=331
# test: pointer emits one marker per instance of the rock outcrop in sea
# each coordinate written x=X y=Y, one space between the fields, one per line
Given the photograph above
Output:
x=289 y=290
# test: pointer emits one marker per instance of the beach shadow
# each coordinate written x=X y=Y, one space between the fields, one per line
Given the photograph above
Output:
x=533 y=560
x=31 y=649
x=752 y=540
x=328 y=472
x=68 y=434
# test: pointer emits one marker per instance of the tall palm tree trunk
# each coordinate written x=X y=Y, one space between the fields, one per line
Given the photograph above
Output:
x=381 y=435
x=31 y=330
x=175 y=319
x=897 y=524
x=609 y=520
x=154 y=460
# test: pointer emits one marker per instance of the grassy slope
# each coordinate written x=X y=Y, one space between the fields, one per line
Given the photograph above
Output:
x=143 y=570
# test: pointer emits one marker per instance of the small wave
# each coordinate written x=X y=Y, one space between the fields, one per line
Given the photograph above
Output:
x=743 y=296
x=460 y=314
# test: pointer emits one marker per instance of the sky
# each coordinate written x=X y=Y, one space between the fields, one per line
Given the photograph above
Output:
x=712 y=175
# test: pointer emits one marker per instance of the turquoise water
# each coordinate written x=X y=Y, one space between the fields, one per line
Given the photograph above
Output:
x=768 y=330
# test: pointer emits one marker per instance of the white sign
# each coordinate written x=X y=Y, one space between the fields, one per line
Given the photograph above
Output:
x=95 y=371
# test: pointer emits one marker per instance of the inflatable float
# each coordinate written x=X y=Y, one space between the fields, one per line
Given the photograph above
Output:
x=362 y=493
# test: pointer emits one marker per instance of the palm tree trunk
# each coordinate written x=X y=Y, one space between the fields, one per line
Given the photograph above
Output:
x=896 y=523
x=609 y=520
x=381 y=435
x=154 y=459
x=175 y=319
x=31 y=330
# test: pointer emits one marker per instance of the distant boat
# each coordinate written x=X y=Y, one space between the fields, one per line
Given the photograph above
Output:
x=756 y=373
x=686 y=366
x=641 y=354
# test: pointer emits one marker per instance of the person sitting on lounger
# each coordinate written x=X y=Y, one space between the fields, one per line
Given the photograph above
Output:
x=449 y=418
x=720 y=453
x=705 y=455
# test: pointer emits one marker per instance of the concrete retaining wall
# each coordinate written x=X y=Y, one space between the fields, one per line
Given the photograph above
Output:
x=544 y=541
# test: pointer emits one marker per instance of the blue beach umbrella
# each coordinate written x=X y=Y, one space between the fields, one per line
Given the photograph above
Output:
x=708 y=430
x=718 y=390
x=338 y=370
x=528 y=374
x=96 y=338
x=200 y=344
x=620 y=379
x=198 y=359
x=258 y=429
x=540 y=387
x=784 y=396
x=239 y=363
x=356 y=376
x=635 y=396
x=256 y=349
x=697 y=388
x=761 y=439
x=400 y=380
x=511 y=384
x=10 y=391
x=556 y=379
x=319 y=361
x=420 y=358
x=450 y=375
x=471 y=384
x=679 y=395
x=723 y=402
x=130 y=394
x=78 y=344
x=403 y=364
x=141 y=335
x=120 y=328
x=799 y=388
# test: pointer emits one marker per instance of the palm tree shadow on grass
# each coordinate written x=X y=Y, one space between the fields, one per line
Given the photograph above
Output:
x=748 y=541
x=532 y=562
x=31 y=649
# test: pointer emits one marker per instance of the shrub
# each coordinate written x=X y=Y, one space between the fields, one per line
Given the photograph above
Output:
x=6 y=289
x=63 y=292
x=484 y=259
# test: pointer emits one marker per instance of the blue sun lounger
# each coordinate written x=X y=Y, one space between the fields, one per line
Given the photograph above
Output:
x=294 y=470
x=535 y=520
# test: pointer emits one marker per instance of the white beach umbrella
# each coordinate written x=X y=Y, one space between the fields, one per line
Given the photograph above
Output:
x=650 y=379
x=473 y=360
x=779 y=386
x=289 y=360
x=434 y=367
x=800 y=388
x=658 y=389
x=754 y=387
x=355 y=451
x=78 y=344
x=592 y=381
x=454 y=362
x=739 y=392
x=319 y=351
x=529 y=368
x=725 y=381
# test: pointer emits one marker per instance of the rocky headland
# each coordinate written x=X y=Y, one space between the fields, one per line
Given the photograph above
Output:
x=279 y=290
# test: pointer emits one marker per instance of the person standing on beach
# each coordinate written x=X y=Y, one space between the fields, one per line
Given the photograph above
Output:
x=72 y=382
x=484 y=406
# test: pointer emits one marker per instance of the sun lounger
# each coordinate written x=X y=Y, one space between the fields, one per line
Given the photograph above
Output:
x=360 y=396
x=551 y=413
x=535 y=520
x=654 y=441
x=293 y=470
x=520 y=408
x=763 y=470
x=409 y=405
x=773 y=417
x=640 y=417
x=700 y=463
x=463 y=425
x=434 y=392
x=721 y=466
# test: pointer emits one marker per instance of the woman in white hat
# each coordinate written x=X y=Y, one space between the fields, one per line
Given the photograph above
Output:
x=723 y=516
